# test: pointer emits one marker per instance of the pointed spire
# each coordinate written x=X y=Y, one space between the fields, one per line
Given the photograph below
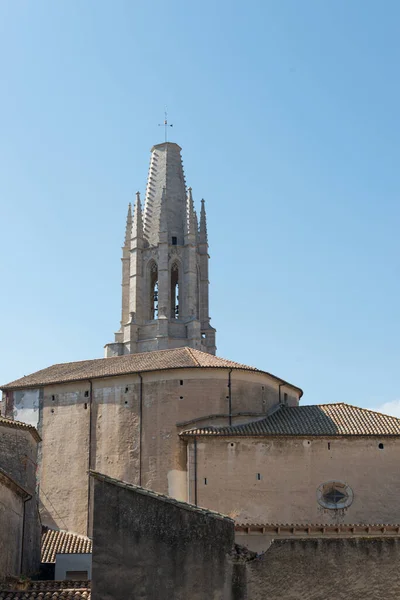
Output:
x=128 y=225
x=190 y=214
x=137 y=225
x=203 y=239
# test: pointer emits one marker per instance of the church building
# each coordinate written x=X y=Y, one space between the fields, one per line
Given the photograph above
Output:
x=162 y=411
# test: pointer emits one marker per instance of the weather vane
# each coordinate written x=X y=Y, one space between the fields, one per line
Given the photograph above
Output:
x=165 y=124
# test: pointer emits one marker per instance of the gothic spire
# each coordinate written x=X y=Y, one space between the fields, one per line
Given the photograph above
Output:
x=128 y=225
x=137 y=225
x=203 y=239
x=166 y=171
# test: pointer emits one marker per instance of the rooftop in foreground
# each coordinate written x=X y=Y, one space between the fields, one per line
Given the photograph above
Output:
x=313 y=420
x=159 y=360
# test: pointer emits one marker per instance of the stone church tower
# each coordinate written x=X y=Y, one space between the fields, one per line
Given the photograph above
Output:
x=164 y=265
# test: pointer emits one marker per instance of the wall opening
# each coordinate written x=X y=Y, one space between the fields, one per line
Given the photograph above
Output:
x=153 y=300
x=174 y=291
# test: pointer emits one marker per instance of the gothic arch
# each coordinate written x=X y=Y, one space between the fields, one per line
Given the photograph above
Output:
x=152 y=289
x=175 y=283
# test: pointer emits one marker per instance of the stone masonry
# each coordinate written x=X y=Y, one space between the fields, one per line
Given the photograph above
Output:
x=164 y=266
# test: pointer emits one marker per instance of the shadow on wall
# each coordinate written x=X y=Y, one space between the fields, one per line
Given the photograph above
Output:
x=165 y=549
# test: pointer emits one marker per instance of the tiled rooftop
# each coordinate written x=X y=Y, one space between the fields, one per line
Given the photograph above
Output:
x=63 y=542
x=19 y=425
x=47 y=590
x=177 y=358
x=315 y=420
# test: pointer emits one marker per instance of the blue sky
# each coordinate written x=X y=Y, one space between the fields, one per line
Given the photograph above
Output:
x=287 y=113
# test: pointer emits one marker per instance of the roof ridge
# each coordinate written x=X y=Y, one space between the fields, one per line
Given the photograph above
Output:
x=326 y=420
x=369 y=410
x=189 y=350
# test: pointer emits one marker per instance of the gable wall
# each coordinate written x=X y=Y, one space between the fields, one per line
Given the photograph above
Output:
x=291 y=470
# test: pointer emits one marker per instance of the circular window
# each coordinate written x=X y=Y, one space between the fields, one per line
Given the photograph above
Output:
x=334 y=495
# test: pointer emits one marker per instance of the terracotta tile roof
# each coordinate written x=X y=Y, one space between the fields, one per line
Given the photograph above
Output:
x=19 y=425
x=177 y=358
x=63 y=542
x=323 y=419
x=47 y=590
x=162 y=497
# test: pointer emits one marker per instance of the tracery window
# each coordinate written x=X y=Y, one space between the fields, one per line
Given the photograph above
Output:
x=334 y=495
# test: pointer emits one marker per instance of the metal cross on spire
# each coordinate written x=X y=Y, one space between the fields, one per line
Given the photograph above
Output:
x=165 y=125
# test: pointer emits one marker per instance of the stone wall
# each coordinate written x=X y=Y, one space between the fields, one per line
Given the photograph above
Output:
x=11 y=527
x=360 y=569
x=275 y=480
x=151 y=547
x=18 y=458
x=127 y=429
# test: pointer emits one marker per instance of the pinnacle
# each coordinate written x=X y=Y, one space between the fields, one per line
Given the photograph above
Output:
x=190 y=214
x=203 y=224
x=128 y=224
x=137 y=226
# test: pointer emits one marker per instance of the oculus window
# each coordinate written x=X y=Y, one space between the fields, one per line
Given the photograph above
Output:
x=334 y=495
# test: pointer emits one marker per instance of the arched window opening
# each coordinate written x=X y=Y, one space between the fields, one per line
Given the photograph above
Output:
x=153 y=291
x=174 y=291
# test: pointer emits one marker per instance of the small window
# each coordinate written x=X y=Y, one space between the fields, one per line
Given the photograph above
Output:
x=285 y=398
x=86 y=394
x=181 y=382
x=259 y=476
x=381 y=446
x=174 y=240
x=205 y=480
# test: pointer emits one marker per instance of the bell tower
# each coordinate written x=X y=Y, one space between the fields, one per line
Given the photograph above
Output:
x=164 y=265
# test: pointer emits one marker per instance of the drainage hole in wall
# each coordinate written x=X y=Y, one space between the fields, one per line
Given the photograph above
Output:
x=85 y=405
x=329 y=445
x=227 y=397
x=180 y=397
x=126 y=401
x=52 y=410
x=232 y=444
x=380 y=446
x=181 y=382
x=126 y=390
x=53 y=398
x=86 y=394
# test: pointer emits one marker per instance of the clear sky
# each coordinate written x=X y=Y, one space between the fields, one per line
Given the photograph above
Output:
x=288 y=115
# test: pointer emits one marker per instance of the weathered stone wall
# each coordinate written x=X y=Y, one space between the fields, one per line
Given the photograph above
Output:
x=154 y=548
x=11 y=519
x=131 y=430
x=290 y=471
x=18 y=458
x=356 y=569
